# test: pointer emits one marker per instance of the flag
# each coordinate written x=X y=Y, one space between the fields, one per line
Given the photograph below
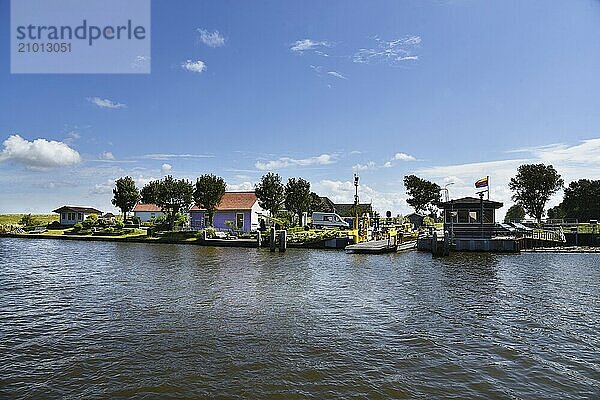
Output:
x=483 y=182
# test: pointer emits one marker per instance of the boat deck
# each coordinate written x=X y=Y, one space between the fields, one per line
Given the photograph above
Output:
x=372 y=247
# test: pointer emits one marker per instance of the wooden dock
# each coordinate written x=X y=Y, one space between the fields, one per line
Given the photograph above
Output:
x=372 y=247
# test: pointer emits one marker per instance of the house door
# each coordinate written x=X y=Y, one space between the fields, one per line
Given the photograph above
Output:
x=239 y=221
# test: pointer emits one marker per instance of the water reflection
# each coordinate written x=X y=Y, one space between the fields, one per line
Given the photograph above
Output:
x=135 y=320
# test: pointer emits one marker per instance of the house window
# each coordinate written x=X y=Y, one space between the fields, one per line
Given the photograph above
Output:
x=206 y=220
x=80 y=216
x=473 y=217
x=64 y=216
x=463 y=216
x=239 y=221
x=451 y=216
x=488 y=216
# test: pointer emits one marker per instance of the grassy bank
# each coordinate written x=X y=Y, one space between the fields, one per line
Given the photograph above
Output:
x=13 y=219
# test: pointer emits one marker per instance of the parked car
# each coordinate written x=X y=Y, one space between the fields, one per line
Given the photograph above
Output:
x=328 y=220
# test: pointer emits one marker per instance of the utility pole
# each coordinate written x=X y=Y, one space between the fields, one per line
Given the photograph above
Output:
x=356 y=200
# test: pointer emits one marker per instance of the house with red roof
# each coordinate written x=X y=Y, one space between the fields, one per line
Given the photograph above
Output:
x=240 y=208
x=147 y=212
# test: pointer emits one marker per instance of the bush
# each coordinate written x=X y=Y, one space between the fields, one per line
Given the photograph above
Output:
x=210 y=233
x=28 y=220
x=77 y=227
x=90 y=221
x=119 y=225
x=54 y=225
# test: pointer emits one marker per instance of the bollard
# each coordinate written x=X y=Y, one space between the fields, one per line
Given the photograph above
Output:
x=282 y=241
x=204 y=235
x=272 y=240
x=434 y=244
x=258 y=238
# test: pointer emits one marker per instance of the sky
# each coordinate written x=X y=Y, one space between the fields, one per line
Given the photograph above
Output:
x=451 y=91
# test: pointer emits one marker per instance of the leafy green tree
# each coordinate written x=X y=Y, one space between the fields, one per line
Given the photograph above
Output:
x=28 y=220
x=208 y=194
x=270 y=193
x=171 y=195
x=556 y=212
x=424 y=196
x=126 y=195
x=533 y=186
x=317 y=204
x=297 y=196
x=582 y=200
x=514 y=213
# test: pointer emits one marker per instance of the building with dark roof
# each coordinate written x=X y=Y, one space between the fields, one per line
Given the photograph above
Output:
x=470 y=217
x=70 y=215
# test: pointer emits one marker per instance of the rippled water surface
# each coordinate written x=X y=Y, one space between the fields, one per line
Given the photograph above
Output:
x=110 y=320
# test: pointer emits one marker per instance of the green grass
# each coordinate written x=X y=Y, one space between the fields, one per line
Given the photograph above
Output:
x=13 y=219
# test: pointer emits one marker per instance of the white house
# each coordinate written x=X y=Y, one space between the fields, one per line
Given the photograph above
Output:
x=147 y=212
x=70 y=215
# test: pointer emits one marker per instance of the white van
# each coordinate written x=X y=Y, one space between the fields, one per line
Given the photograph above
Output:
x=328 y=220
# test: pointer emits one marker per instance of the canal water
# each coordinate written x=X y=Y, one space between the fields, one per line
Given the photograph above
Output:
x=115 y=320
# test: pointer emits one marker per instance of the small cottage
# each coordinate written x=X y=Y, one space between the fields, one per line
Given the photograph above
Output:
x=147 y=212
x=470 y=217
x=239 y=209
x=70 y=215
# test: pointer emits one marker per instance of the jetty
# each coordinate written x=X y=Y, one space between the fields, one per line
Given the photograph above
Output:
x=372 y=247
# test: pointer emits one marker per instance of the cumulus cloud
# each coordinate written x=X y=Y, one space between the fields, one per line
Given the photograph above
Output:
x=105 y=187
x=303 y=45
x=364 y=167
x=107 y=155
x=392 y=52
x=105 y=103
x=212 y=39
x=343 y=192
x=245 y=186
x=166 y=169
x=40 y=153
x=285 y=162
x=403 y=157
x=194 y=66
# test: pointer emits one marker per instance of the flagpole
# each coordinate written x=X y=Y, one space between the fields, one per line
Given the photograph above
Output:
x=488 y=179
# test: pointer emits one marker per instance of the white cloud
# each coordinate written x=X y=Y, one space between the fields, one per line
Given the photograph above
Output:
x=403 y=157
x=212 y=39
x=390 y=52
x=107 y=155
x=166 y=156
x=343 y=192
x=105 y=187
x=303 y=45
x=364 y=167
x=166 y=169
x=194 y=66
x=40 y=153
x=285 y=162
x=106 y=103
x=388 y=164
x=337 y=75
x=245 y=186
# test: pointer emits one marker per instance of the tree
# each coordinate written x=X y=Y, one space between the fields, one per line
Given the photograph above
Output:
x=297 y=196
x=28 y=220
x=514 y=213
x=317 y=204
x=533 y=185
x=556 y=212
x=424 y=197
x=270 y=193
x=171 y=195
x=126 y=195
x=582 y=200
x=208 y=194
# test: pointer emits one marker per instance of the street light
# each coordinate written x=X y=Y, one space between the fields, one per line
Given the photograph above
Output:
x=445 y=189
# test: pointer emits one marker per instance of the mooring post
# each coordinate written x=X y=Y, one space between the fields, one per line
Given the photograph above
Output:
x=258 y=238
x=434 y=243
x=446 y=243
x=272 y=240
x=282 y=241
x=204 y=235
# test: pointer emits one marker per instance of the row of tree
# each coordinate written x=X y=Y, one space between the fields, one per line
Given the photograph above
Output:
x=174 y=196
x=532 y=187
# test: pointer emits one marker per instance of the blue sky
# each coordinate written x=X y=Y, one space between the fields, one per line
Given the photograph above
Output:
x=448 y=90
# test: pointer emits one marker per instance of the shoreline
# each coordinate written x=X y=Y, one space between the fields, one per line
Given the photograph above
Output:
x=249 y=243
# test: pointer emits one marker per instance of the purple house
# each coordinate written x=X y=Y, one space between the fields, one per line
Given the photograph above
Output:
x=240 y=208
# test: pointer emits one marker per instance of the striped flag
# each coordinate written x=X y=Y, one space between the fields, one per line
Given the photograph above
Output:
x=483 y=182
